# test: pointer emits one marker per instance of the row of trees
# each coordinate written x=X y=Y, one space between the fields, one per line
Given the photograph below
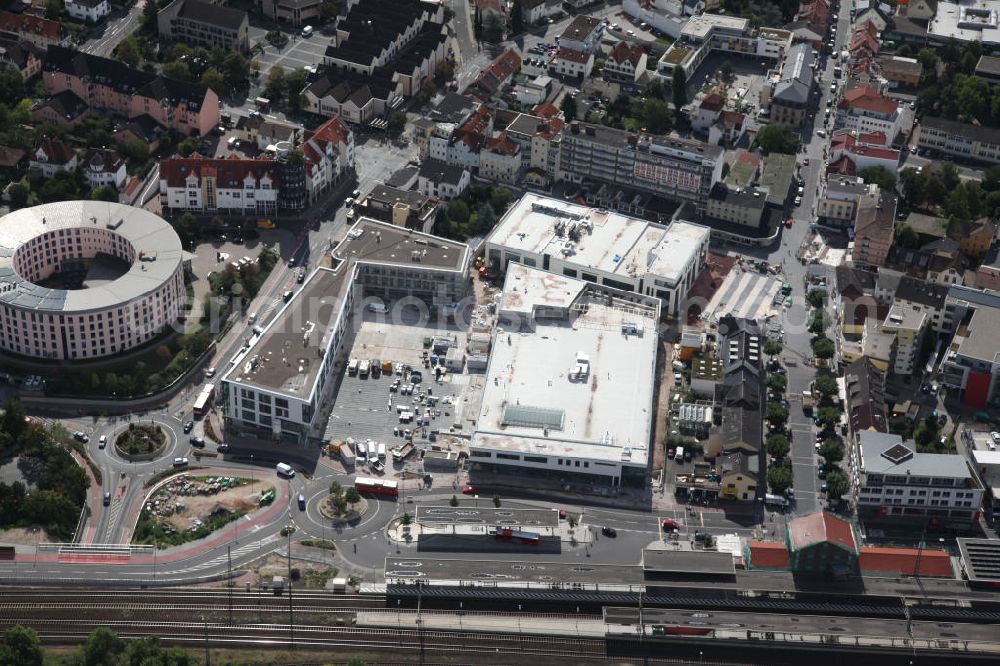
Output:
x=474 y=213
x=941 y=191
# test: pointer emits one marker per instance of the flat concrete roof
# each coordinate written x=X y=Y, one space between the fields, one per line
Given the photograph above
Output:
x=604 y=416
x=526 y=289
x=687 y=562
x=150 y=235
x=372 y=241
x=406 y=569
x=284 y=358
x=979 y=342
x=980 y=559
x=608 y=241
x=699 y=27
x=487 y=515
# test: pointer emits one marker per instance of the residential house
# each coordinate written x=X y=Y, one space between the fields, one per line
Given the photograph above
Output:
x=533 y=91
x=707 y=112
x=901 y=485
x=925 y=297
x=103 y=168
x=53 y=156
x=438 y=180
x=461 y=145
x=974 y=237
x=293 y=13
x=535 y=11
x=572 y=64
x=874 y=227
x=199 y=23
x=500 y=160
x=966 y=141
x=854 y=304
x=864 y=109
x=108 y=85
x=539 y=138
x=789 y=99
x=899 y=71
x=864 y=385
x=743 y=207
x=13 y=163
x=805 y=32
x=35 y=30
x=21 y=57
x=879 y=14
x=863 y=154
x=988 y=275
x=498 y=73
x=402 y=208
x=329 y=154
x=63 y=110
x=625 y=63
x=143 y=129
x=838 y=200
x=582 y=34
x=355 y=98
x=728 y=129
x=207 y=185
x=91 y=11
x=739 y=476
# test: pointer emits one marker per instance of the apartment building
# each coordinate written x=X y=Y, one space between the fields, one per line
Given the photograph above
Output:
x=35 y=30
x=874 y=228
x=602 y=247
x=674 y=168
x=971 y=367
x=965 y=141
x=838 y=199
x=625 y=63
x=863 y=151
x=198 y=23
x=706 y=33
x=896 y=483
x=899 y=71
x=235 y=186
x=789 y=99
x=582 y=34
x=91 y=11
x=744 y=207
x=572 y=64
x=111 y=86
x=294 y=13
x=329 y=154
x=864 y=385
x=442 y=181
x=864 y=109
x=21 y=57
x=500 y=160
x=926 y=297
x=906 y=326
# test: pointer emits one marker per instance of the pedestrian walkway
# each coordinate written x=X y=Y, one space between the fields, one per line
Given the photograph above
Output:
x=492 y=622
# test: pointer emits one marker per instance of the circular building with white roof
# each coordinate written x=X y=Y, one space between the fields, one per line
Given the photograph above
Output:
x=85 y=279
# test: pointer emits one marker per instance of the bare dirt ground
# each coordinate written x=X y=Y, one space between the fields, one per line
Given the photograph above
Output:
x=201 y=506
x=24 y=536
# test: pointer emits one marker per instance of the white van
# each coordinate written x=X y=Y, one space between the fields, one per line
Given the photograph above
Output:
x=377 y=307
x=679 y=454
x=284 y=469
x=381 y=451
x=775 y=501
x=307 y=31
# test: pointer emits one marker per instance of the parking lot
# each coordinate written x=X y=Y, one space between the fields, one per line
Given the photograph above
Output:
x=370 y=408
x=299 y=52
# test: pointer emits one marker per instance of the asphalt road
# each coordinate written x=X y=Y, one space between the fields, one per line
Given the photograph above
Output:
x=115 y=32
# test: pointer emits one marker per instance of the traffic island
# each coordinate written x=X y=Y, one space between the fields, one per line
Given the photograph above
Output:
x=342 y=514
x=140 y=442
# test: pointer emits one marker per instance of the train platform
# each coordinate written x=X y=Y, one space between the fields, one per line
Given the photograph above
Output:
x=497 y=623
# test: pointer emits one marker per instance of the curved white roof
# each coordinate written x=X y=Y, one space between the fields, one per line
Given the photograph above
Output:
x=150 y=235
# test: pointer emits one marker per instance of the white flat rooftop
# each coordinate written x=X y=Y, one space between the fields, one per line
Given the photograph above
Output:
x=605 y=416
x=526 y=289
x=605 y=240
x=699 y=27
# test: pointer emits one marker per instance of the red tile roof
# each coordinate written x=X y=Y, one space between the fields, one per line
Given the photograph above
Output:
x=623 y=52
x=546 y=110
x=869 y=99
x=872 y=138
x=498 y=71
x=768 y=554
x=56 y=151
x=573 y=56
x=903 y=561
x=713 y=102
x=843 y=166
x=24 y=24
x=819 y=527
x=230 y=173
x=502 y=145
x=847 y=142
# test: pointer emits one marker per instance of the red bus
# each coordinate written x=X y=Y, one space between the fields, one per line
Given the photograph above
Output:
x=509 y=534
x=376 y=486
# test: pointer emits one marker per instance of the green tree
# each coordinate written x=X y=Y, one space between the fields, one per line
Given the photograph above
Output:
x=356 y=661
x=21 y=647
x=492 y=29
x=837 y=485
x=568 y=108
x=656 y=116
x=274 y=89
x=906 y=237
x=454 y=500
x=407 y=519
x=777 y=414
x=880 y=176
x=827 y=416
x=235 y=70
x=53 y=9
x=826 y=386
x=823 y=348
x=832 y=451
x=516 y=18
x=11 y=87
x=778 y=446
x=336 y=489
x=18 y=193
x=13 y=419
x=777 y=383
x=777 y=138
x=103 y=648
x=134 y=149
x=442 y=223
x=726 y=72
x=352 y=496
x=458 y=211
x=499 y=198
x=397 y=123
x=188 y=146
x=779 y=479
x=678 y=88
x=107 y=193
x=772 y=347
x=819 y=321
x=485 y=218
x=214 y=80
x=129 y=51
x=177 y=70
x=496 y=501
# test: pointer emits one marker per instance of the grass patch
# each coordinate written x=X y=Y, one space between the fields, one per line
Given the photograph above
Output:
x=150 y=531
x=325 y=544
x=317 y=579
x=140 y=439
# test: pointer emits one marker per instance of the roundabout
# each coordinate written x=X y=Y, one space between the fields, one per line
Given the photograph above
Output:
x=141 y=442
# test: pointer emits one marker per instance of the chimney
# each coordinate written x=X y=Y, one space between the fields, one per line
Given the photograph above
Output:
x=574 y=127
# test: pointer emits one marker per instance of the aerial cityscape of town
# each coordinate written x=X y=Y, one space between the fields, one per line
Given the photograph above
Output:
x=472 y=331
